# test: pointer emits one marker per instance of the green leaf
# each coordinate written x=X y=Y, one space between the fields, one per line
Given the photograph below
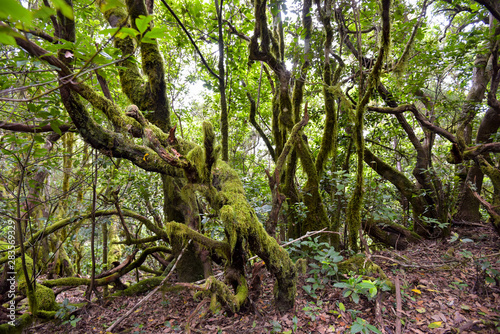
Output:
x=55 y=126
x=357 y=327
x=366 y=285
x=109 y=31
x=110 y=4
x=125 y=32
x=142 y=22
x=64 y=8
x=13 y=10
x=355 y=297
x=436 y=324
x=156 y=33
x=6 y=39
x=44 y=13
x=342 y=307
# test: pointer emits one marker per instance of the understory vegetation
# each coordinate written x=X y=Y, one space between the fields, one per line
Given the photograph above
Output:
x=240 y=166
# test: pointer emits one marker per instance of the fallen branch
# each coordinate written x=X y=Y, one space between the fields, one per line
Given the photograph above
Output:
x=149 y=294
x=413 y=265
x=398 y=306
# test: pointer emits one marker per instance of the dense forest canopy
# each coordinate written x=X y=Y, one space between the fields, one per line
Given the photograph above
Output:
x=130 y=127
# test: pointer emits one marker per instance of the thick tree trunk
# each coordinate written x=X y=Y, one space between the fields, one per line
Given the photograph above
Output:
x=190 y=267
x=468 y=205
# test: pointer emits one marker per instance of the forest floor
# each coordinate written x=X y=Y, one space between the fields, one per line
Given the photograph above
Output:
x=442 y=290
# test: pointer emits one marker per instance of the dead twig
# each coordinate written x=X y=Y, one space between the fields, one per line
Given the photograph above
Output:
x=378 y=310
x=190 y=318
x=413 y=265
x=398 y=305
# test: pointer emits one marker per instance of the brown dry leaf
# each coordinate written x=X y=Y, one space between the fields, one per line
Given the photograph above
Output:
x=436 y=317
x=458 y=318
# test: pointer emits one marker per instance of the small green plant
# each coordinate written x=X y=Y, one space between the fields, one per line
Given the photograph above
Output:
x=324 y=263
x=295 y=323
x=276 y=327
x=492 y=275
x=458 y=284
x=312 y=310
x=355 y=286
x=360 y=325
x=435 y=222
x=72 y=320
x=138 y=329
x=173 y=326
x=64 y=313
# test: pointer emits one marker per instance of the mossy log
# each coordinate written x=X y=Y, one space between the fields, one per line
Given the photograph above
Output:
x=390 y=233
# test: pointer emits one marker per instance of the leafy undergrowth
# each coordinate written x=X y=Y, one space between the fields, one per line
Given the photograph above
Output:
x=446 y=287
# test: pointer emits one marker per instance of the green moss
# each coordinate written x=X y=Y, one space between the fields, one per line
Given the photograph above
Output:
x=225 y=296
x=21 y=322
x=115 y=251
x=492 y=172
x=242 y=227
x=45 y=297
x=301 y=266
x=143 y=286
x=360 y=264
x=19 y=268
x=197 y=157
x=49 y=315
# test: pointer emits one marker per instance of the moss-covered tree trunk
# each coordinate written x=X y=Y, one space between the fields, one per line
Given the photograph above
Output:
x=194 y=169
x=152 y=96
x=330 y=78
x=268 y=46
x=468 y=205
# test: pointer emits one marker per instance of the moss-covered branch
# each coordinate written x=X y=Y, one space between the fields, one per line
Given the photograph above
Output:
x=420 y=118
x=390 y=233
x=150 y=95
x=115 y=274
x=38 y=236
x=471 y=153
x=329 y=138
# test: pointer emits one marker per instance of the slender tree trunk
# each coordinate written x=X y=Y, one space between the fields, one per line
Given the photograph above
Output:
x=224 y=121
